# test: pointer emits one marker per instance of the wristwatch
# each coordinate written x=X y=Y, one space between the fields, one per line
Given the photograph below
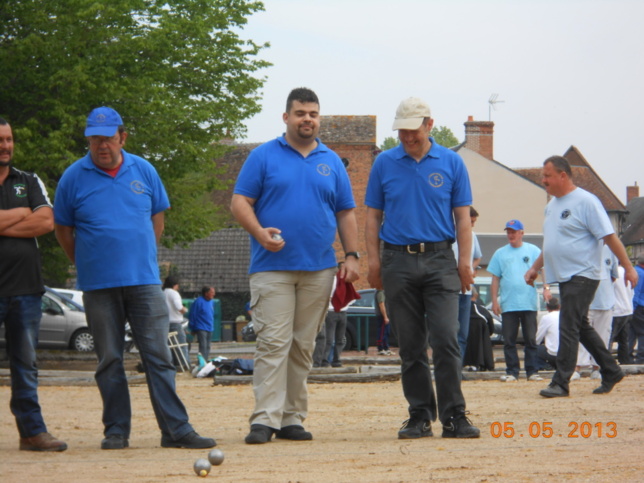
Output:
x=355 y=255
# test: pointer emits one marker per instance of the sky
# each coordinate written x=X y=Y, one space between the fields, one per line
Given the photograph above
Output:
x=569 y=72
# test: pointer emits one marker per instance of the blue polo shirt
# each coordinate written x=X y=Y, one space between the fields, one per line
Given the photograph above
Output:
x=301 y=197
x=115 y=244
x=418 y=197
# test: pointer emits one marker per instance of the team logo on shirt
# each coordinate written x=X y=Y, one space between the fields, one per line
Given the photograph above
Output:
x=526 y=259
x=21 y=190
x=137 y=187
x=435 y=180
x=324 y=169
x=565 y=214
x=607 y=262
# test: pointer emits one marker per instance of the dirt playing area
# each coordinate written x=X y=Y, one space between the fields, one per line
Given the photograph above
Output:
x=592 y=437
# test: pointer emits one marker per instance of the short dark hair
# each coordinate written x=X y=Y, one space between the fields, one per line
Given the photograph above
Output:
x=170 y=282
x=3 y=121
x=553 y=304
x=205 y=289
x=560 y=163
x=473 y=212
x=303 y=95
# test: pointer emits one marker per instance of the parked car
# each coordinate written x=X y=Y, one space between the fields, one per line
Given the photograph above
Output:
x=63 y=324
x=75 y=295
x=484 y=287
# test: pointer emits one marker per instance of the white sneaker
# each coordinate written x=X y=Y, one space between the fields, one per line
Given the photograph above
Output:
x=382 y=353
x=575 y=376
x=535 y=377
x=508 y=378
x=595 y=374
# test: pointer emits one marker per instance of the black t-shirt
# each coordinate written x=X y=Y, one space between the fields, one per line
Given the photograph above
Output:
x=20 y=266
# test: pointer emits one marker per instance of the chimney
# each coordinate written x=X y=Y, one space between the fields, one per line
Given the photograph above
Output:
x=479 y=137
x=632 y=192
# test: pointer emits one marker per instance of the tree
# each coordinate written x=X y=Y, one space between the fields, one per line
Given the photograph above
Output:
x=444 y=136
x=176 y=70
x=389 y=142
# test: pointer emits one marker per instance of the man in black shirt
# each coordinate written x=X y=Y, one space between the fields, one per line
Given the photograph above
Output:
x=25 y=213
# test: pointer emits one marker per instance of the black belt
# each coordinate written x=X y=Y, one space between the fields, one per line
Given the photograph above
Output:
x=420 y=247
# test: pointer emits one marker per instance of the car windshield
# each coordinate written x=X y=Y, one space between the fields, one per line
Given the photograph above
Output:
x=70 y=304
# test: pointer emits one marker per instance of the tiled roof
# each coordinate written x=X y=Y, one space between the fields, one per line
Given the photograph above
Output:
x=221 y=260
x=583 y=176
x=348 y=129
x=634 y=223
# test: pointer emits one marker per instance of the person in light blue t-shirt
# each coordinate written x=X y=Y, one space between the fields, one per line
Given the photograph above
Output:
x=600 y=313
x=518 y=301
x=573 y=229
x=465 y=299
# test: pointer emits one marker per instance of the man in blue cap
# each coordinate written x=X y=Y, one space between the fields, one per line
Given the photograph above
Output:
x=518 y=301
x=109 y=216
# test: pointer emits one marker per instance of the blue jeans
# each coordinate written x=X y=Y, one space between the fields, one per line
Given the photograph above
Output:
x=464 y=310
x=422 y=297
x=203 y=339
x=145 y=309
x=383 y=335
x=335 y=326
x=576 y=295
x=510 y=322
x=21 y=317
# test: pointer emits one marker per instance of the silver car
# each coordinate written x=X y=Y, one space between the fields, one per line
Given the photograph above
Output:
x=63 y=325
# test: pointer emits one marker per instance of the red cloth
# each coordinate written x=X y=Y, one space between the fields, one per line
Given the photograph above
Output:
x=344 y=294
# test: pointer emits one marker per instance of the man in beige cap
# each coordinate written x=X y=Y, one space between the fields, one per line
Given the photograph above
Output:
x=423 y=188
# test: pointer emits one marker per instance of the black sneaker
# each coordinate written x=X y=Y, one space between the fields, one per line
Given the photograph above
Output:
x=294 y=433
x=259 y=434
x=415 y=428
x=191 y=441
x=607 y=386
x=114 y=441
x=459 y=426
x=554 y=390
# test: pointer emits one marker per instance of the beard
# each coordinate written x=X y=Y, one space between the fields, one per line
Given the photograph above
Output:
x=4 y=164
x=306 y=132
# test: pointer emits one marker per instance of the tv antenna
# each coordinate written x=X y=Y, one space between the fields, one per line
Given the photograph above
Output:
x=492 y=101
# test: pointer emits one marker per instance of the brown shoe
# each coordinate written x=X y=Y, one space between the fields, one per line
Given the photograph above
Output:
x=42 y=442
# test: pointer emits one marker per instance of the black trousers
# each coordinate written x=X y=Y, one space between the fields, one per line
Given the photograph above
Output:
x=576 y=296
x=422 y=299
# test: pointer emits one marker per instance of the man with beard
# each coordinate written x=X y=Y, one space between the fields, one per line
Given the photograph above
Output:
x=291 y=195
x=25 y=213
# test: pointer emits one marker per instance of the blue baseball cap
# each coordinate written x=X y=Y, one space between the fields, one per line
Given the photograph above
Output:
x=514 y=225
x=103 y=121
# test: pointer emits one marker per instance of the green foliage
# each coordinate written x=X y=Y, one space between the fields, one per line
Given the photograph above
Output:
x=176 y=70
x=444 y=136
x=389 y=142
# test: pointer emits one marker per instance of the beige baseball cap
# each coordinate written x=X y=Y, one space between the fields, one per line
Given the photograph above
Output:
x=410 y=114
